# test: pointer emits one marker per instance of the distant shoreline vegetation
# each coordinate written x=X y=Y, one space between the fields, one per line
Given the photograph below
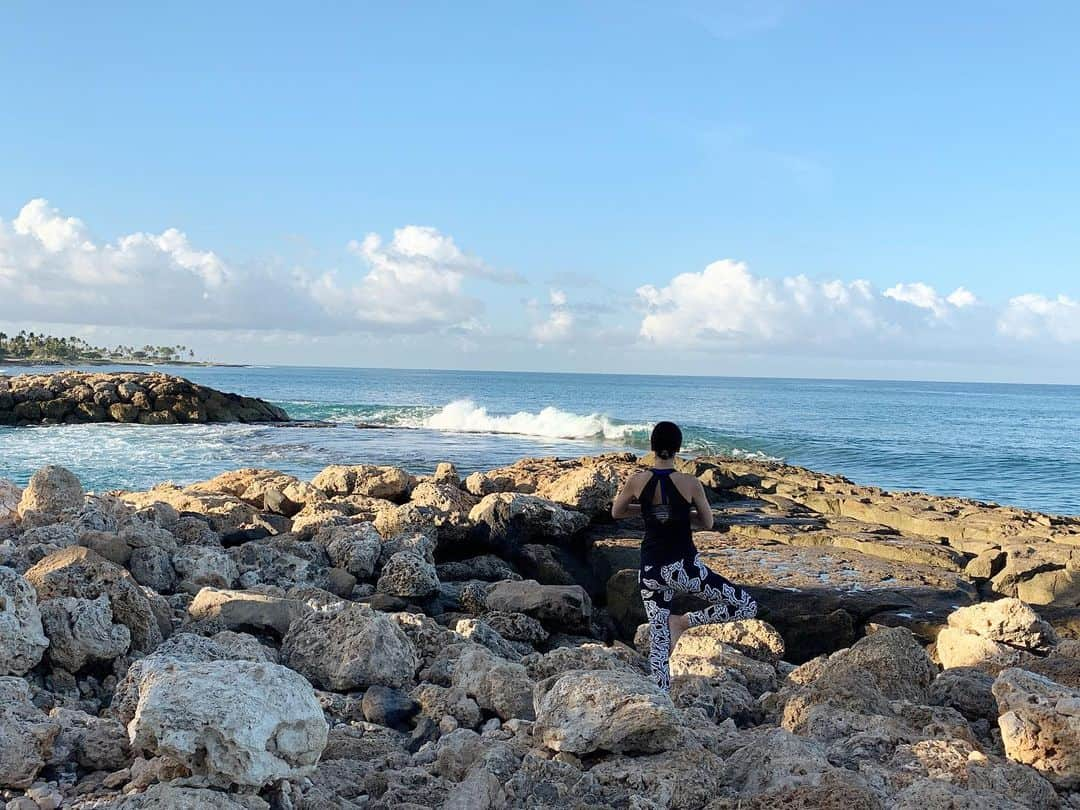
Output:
x=30 y=348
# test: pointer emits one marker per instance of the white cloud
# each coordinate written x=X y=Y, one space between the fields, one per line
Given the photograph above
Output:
x=725 y=302
x=52 y=270
x=1032 y=316
x=559 y=325
x=926 y=297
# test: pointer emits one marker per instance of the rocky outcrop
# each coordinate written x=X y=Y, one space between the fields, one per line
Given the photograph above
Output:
x=75 y=397
x=22 y=639
x=385 y=640
x=233 y=722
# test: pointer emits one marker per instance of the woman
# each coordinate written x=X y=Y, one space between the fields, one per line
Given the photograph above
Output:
x=673 y=504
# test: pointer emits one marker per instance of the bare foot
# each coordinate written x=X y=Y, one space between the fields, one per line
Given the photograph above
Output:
x=678 y=625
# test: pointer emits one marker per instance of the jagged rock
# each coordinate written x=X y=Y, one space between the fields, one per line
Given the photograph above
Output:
x=204 y=566
x=81 y=631
x=587 y=489
x=486 y=567
x=96 y=743
x=720 y=697
x=516 y=626
x=505 y=521
x=777 y=761
x=1040 y=725
x=584 y=656
x=26 y=734
x=934 y=793
x=10 y=495
x=22 y=638
x=446 y=473
x=751 y=637
x=497 y=685
x=480 y=632
x=244 y=647
x=439 y=701
x=968 y=690
x=230 y=721
x=167 y=796
x=52 y=492
x=558 y=606
x=348 y=647
x=79 y=573
x=581 y=712
x=355 y=547
x=450 y=504
x=1008 y=621
x=408 y=575
x=700 y=653
x=391 y=483
x=240 y=609
x=152 y=566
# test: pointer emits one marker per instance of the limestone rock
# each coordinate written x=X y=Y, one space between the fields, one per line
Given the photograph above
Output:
x=446 y=473
x=231 y=721
x=82 y=631
x=480 y=632
x=391 y=483
x=408 y=575
x=505 y=521
x=167 y=796
x=80 y=573
x=581 y=712
x=204 y=566
x=10 y=495
x=353 y=547
x=239 y=609
x=96 y=743
x=52 y=491
x=500 y=686
x=968 y=690
x=1008 y=621
x=26 y=734
x=22 y=638
x=1040 y=725
x=559 y=606
x=587 y=489
x=349 y=646
x=450 y=504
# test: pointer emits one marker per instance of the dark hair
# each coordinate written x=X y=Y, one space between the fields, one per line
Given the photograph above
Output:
x=666 y=439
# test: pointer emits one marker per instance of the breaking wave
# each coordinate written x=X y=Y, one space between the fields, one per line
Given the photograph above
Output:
x=465 y=416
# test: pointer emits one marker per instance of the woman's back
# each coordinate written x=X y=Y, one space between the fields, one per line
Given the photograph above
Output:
x=666 y=511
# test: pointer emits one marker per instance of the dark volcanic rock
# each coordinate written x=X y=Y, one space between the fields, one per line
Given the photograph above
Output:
x=132 y=397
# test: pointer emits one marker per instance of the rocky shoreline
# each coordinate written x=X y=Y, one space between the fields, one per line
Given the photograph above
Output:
x=146 y=398
x=373 y=639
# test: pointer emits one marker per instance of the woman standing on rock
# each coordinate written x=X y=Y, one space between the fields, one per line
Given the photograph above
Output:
x=673 y=504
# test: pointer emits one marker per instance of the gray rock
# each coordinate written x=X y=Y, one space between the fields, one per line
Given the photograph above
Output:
x=22 y=638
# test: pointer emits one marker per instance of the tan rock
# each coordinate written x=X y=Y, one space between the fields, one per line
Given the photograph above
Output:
x=1040 y=725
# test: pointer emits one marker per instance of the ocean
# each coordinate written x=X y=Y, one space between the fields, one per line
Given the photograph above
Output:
x=1011 y=444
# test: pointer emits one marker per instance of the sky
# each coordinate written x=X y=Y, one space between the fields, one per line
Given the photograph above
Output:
x=769 y=188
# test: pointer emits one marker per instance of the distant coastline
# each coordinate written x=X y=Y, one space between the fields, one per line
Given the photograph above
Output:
x=26 y=362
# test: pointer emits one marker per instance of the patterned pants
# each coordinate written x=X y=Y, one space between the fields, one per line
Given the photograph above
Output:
x=659 y=584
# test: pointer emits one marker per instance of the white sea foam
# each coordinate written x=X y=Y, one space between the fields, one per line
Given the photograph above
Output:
x=465 y=416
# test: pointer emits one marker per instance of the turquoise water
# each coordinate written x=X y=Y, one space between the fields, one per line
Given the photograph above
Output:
x=1013 y=444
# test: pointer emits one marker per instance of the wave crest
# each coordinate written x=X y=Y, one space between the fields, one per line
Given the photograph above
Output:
x=465 y=416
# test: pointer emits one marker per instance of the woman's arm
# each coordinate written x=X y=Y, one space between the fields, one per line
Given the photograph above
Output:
x=622 y=507
x=704 y=517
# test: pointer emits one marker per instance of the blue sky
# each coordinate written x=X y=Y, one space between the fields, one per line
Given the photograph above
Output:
x=563 y=160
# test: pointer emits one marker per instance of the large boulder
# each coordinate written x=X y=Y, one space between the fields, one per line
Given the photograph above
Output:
x=581 y=712
x=588 y=489
x=10 y=495
x=80 y=573
x=244 y=609
x=498 y=685
x=52 y=492
x=353 y=547
x=450 y=506
x=233 y=722
x=349 y=646
x=505 y=521
x=26 y=735
x=82 y=631
x=22 y=638
x=994 y=636
x=391 y=483
x=204 y=566
x=1040 y=725
x=565 y=607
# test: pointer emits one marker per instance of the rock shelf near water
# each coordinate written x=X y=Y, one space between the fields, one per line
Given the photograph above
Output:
x=76 y=397
x=372 y=640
